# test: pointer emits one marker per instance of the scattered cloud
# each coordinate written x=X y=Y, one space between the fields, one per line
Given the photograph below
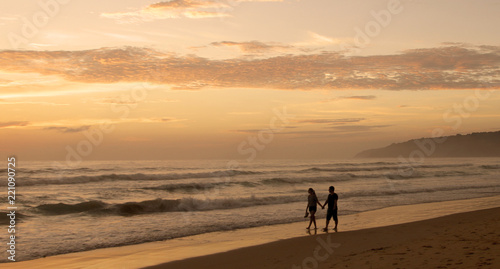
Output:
x=253 y=46
x=358 y=128
x=74 y=126
x=360 y=97
x=334 y=130
x=4 y=102
x=68 y=129
x=453 y=67
x=331 y=121
x=121 y=100
x=169 y=10
x=255 y=131
x=124 y=100
x=13 y=124
x=194 y=9
x=355 y=97
x=159 y=120
x=322 y=40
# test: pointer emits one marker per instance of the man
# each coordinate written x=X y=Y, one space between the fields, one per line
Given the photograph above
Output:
x=332 y=208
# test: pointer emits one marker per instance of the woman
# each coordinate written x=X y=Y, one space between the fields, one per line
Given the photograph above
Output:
x=312 y=200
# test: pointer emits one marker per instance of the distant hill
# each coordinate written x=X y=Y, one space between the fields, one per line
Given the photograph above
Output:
x=486 y=144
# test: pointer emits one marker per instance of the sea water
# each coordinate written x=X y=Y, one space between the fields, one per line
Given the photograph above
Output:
x=101 y=204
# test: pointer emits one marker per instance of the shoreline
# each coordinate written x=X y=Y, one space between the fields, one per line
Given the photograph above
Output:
x=187 y=248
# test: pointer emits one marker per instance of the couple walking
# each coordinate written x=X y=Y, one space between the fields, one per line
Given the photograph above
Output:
x=312 y=200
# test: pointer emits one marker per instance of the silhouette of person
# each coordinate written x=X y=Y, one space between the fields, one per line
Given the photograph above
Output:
x=312 y=200
x=332 y=208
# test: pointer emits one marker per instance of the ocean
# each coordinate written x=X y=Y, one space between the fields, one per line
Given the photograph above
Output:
x=100 y=204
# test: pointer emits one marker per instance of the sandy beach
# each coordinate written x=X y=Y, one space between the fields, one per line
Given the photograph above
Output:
x=465 y=240
x=452 y=234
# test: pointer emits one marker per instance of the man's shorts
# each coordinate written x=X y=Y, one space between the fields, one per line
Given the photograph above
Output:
x=331 y=213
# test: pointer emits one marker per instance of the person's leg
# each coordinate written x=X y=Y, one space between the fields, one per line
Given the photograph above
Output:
x=328 y=216
x=313 y=218
x=336 y=219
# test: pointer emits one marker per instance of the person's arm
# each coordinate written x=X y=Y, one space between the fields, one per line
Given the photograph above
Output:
x=323 y=206
x=335 y=204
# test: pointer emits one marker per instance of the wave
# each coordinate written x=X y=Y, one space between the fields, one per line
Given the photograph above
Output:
x=100 y=208
x=62 y=208
x=288 y=181
x=5 y=219
x=192 y=187
x=159 y=205
x=494 y=166
x=341 y=171
x=406 y=174
x=346 y=164
x=391 y=190
x=279 y=181
x=50 y=170
x=354 y=169
x=379 y=168
x=412 y=174
x=135 y=177
x=189 y=187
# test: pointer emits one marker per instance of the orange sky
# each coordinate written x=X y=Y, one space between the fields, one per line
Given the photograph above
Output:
x=188 y=79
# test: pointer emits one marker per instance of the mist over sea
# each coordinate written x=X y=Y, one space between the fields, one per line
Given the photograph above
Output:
x=111 y=203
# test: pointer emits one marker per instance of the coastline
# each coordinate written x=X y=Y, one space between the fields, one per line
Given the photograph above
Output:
x=184 y=250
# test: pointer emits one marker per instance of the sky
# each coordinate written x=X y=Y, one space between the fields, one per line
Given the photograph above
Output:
x=242 y=79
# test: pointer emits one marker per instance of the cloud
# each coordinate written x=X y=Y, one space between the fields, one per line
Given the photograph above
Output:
x=124 y=100
x=68 y=129
x=331 y=121
x=355 y=97
x=74 y=126
x=170 y=10
x=3 y=102
x=13 y=124
x=334 y=130
x=317 y=39
x=253 y=46
x=358 y=128
x=255 y=131
x=158 y=120
x=453 y=67
x=360 y=97
x=194 y=9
